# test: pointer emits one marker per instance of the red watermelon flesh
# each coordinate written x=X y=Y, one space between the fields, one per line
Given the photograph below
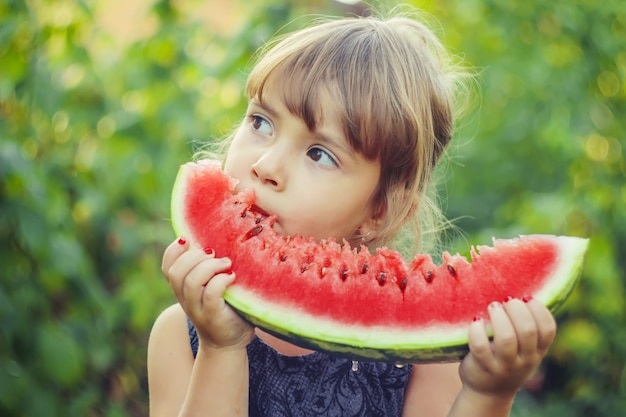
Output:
x=328 y=296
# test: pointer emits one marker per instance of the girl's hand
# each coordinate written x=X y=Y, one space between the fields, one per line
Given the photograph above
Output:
x=522 y=334
x=199 y=280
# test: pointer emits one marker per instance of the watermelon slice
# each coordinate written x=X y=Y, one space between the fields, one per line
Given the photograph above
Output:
x=328 y=296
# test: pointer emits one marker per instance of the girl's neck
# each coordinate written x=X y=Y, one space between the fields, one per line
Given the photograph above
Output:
x=282 y=347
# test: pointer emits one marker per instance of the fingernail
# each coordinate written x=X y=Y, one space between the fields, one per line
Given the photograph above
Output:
x=476 y=318
x=527 y=298
x=495 y=304
x=229 y=272
x=208 y=251
x=508 y=298
x=181 y=240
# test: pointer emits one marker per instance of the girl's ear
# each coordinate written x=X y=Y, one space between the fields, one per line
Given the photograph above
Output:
x=369 y=230
x=385 y=222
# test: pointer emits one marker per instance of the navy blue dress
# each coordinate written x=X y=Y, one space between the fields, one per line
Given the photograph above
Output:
x=319 y=384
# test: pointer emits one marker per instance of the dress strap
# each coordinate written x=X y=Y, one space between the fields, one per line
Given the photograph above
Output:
x=193 y=337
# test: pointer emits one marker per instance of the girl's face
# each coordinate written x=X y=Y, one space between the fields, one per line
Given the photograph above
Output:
x=313 y=181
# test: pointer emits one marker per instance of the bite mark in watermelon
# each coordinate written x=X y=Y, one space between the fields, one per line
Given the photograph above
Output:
x=328 y=296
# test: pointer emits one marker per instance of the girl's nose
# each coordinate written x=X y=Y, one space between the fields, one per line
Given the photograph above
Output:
x=270 y=171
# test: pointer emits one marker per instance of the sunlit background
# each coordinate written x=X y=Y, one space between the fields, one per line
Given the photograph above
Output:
x=101 y=101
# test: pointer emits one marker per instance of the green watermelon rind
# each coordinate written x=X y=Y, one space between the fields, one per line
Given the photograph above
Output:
x=179 y=191
x=438 y=343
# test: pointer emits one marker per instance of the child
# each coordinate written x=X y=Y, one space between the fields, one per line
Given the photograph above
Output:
x=348 y=119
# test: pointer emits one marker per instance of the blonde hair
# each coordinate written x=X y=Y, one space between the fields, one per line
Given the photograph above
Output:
x=395 y=85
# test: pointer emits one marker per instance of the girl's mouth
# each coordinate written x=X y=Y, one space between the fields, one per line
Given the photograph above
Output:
x=261 y=214
x=258 y=210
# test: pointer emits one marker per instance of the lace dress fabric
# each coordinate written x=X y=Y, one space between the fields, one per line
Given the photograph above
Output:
x=319 y=384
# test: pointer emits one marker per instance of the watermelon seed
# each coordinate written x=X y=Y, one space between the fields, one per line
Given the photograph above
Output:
x=344 y=274
x=452 y=270
x=403 y=283
x=258 y=220
x=365 y=268
x=244 y=213
x=253 y=232
x=304 y=267
x=429 y=276
x=381 y=279
x=283 y=257
x=323 y=272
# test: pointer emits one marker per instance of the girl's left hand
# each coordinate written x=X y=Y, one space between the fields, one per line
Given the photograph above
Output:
x=522 y=334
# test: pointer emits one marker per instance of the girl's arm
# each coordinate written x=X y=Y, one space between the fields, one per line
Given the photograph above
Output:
x=216 y=382
x=170 y=363
x=493 y=371
x=432 y=390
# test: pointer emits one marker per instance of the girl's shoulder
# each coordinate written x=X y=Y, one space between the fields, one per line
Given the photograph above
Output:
x=169 y=359
x=169 y=321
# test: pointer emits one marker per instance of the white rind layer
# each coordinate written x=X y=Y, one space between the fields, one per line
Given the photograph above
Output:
x=326 y=330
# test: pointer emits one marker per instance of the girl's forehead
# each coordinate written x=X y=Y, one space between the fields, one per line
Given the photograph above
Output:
x=316 y=105
x=325 y=110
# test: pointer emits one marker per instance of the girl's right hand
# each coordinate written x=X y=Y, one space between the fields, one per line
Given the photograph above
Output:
x=199 y=280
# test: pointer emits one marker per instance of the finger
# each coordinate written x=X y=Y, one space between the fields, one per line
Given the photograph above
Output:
x=524 y=326
x=172 y=252
x=179 y=271
x=212 y=296
x=198 y=278
x=505 y=342
x=182 y=264
x=545 y=322
x=479 y=343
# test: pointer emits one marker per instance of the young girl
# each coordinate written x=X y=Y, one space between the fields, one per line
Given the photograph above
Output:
x=348 y=119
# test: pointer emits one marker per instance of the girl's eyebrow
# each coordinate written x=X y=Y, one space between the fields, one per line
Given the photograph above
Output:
x=266 y=107
x=321 y=137
x=332 y=141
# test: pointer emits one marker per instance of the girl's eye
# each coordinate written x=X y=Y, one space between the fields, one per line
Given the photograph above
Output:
x=261 y=124
x=321 y=156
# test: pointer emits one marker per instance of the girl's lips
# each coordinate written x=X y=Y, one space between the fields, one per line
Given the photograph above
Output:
x=259 y=210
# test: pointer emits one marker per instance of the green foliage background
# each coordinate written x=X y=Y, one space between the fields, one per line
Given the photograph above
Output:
x=94 y=124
